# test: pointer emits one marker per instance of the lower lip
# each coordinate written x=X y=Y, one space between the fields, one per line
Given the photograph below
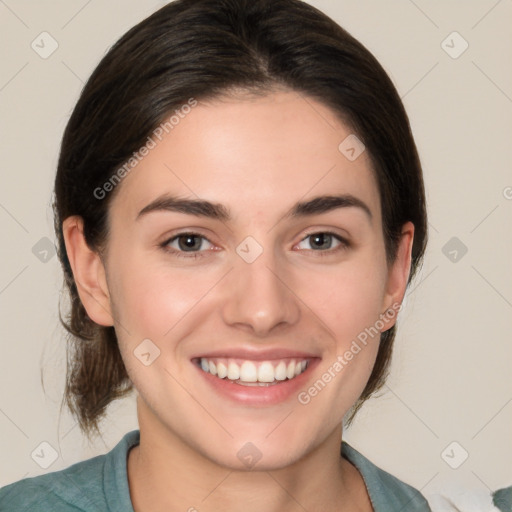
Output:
x=259 y=395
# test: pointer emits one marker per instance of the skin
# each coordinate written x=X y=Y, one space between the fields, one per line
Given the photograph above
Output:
x=291 y=296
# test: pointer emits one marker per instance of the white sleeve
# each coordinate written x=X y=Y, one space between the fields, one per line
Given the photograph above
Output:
x=462 y=501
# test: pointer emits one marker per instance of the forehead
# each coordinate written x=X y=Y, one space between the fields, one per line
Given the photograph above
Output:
x=254 y=154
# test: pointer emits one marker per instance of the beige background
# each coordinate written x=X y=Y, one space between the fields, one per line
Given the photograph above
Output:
x=451 y=375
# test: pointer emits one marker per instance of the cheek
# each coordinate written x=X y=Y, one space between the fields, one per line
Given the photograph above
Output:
x=154 y=299
x=149 y=300
x=348 y=299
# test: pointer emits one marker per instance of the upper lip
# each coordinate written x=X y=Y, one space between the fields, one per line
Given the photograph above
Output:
x=256 y=354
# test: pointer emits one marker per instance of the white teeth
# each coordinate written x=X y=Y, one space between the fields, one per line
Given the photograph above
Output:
x=248 y=372
x=266 y=372
x=280 y=371
x=253 y=372
x=222 y=370
x=233 y=371
x=290 y=371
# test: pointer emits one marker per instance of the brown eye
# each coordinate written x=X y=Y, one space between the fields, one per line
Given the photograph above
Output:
x=322 y=241
x=187 y=243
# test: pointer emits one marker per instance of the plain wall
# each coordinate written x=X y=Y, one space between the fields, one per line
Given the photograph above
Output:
x=451 y=373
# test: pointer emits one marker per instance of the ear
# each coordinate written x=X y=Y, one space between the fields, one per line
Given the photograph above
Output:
x=398 y=275
x=88 y=271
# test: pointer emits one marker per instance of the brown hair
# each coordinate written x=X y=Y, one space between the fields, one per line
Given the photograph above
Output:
x=203 y=49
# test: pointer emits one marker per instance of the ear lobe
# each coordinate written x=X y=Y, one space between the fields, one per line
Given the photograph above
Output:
x=88 y=272
x=398 y=274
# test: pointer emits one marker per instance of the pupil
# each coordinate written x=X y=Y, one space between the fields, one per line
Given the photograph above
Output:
x=321 y=240
x=187 y=242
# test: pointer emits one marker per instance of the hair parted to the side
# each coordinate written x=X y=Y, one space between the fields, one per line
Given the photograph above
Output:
x=204 y=49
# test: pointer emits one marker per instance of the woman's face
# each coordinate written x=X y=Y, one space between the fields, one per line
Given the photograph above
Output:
x=248 y=241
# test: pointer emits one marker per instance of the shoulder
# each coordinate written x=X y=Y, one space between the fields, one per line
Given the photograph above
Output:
x=81 y=487
x=74 y=488
x=386 y=491
x=502 y=499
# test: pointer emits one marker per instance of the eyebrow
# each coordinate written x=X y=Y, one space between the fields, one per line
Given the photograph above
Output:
x=217 y=211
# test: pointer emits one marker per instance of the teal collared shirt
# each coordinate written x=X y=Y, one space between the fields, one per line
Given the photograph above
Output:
x=502 y=499
x=100 y=484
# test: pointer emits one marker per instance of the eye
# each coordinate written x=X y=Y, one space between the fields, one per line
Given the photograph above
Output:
x=187 y=243
x=323 y=241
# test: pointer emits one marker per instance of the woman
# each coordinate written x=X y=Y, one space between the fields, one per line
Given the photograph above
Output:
x=239 y=206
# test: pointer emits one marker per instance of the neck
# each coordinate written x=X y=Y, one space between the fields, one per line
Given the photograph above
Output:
x=165 y=474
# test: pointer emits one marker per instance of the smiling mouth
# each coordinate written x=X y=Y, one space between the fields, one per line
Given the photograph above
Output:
x=253 y=373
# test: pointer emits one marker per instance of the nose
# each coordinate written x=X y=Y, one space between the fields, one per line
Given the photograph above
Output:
x=259 y=299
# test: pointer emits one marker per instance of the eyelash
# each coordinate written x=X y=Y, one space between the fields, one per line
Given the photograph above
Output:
x=344 y=244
